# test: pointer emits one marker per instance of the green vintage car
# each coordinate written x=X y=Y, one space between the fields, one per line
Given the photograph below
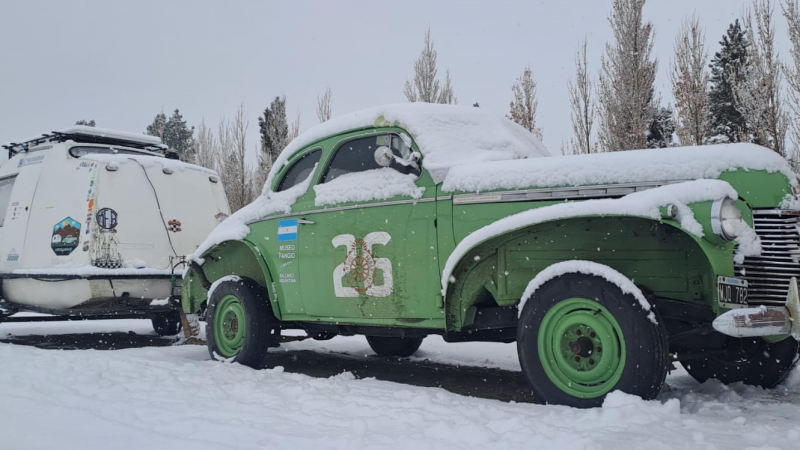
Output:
x=409 y=220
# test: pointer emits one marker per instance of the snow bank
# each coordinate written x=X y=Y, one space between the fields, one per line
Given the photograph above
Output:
x=447 y=135
x=586 y=268
x=146 y=161
x=639 y=204
x=236 y=226
x=668 y=164
x=376 y=184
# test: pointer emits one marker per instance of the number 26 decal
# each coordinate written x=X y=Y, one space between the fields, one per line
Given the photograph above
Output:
x=356 y=275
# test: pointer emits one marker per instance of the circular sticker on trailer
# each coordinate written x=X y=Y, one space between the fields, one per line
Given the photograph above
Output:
x=107 y=218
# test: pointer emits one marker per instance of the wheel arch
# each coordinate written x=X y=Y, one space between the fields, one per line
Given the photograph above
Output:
x=241 y=258
x=659 y=255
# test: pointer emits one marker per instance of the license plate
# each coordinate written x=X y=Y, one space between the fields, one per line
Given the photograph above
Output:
x=732 y=292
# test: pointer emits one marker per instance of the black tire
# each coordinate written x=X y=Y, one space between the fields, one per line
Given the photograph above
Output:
x=260 y=325
x=400 y=347
x=752 y=361
x=638 y=370
x=166 y=324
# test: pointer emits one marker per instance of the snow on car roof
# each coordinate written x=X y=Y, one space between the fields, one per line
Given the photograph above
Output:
x=447 y=135
x=665 y=164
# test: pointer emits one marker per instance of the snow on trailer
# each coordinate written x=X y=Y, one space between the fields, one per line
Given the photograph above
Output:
x=93 y=222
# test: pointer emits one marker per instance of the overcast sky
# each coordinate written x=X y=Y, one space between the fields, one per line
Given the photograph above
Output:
x=120 y=63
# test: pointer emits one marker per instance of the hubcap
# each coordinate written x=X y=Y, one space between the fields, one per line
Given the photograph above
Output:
x=581 y=348
x=229 y=330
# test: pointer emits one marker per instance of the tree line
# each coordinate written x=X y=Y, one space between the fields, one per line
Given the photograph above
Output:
x=745 y=93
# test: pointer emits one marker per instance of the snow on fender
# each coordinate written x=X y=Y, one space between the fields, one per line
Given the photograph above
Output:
x=586 y=268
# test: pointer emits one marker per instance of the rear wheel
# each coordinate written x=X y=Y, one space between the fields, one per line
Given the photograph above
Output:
x=394 y=346
x=241 y=326
x=752 y=361
x=166 y=324
x=579 y=337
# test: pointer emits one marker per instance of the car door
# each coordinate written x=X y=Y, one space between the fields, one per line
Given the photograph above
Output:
x=368 y=248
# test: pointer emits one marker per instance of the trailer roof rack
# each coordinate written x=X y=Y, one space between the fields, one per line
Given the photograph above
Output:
x=90 y=135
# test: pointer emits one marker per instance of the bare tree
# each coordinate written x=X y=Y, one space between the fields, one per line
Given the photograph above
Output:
x=294 y=129
x=324 y=106
x=523 y=107
x=626 y=94
x=582 y=105
x=792 y=72
x=689 y=80
x=758 y=94
x=205 y=152
x=425 y=87
x=237 y=175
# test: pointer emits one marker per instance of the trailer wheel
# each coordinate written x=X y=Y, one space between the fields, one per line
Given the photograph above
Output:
x=579 y=337
x=400 y=347
x=240 y=324
x=752 y=361
x=166 y=324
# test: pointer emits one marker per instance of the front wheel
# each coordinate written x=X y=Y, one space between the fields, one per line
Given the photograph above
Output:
x=579 y=337
x=752 y=361
x=401 y=347
x=240 y=324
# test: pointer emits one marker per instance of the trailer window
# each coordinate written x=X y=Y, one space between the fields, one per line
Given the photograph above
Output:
x=6 y=186
x=300 y=170
x=77 y=152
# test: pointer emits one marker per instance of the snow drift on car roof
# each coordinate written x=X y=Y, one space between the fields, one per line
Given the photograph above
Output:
x=447 y=135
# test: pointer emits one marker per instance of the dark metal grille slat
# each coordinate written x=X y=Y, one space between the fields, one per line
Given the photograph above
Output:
x=768 y=275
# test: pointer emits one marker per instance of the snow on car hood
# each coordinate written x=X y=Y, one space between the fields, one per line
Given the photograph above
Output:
x=446 y=135
x=634 y=166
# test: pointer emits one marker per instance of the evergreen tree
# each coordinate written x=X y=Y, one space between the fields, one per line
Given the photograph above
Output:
x=179 y=137
x=88 y=123
x=274 y=130
x=661 y=129
x=157 y=127
x=727 y=69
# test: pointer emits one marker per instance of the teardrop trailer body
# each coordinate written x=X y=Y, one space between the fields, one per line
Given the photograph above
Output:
x=409 y=220
x=95 y=223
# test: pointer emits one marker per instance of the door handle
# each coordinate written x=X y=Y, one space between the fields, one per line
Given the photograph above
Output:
x=305 y=222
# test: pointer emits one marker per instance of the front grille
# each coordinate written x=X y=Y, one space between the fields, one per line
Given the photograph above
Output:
x=768 y=275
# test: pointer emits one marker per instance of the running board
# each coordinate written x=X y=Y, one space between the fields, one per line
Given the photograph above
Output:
x=764 y=320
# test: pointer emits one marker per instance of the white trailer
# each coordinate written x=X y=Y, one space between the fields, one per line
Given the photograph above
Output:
x=96 y=223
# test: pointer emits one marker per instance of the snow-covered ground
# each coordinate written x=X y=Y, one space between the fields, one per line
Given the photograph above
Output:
x=176 y=398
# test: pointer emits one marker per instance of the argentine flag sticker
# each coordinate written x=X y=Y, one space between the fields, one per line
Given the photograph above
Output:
x=287 y=230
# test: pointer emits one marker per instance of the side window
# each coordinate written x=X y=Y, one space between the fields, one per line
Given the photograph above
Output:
x=358 y=155
x=300 y=170
x=6 y=186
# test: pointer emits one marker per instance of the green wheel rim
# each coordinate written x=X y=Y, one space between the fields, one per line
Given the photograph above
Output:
x=581 y=348
x=229 y=326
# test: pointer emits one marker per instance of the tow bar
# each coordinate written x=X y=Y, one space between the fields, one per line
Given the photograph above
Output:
x=763 y=320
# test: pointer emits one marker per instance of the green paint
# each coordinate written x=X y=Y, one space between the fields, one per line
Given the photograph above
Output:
x=229 y=326
x=659 y=255
x=581 y=348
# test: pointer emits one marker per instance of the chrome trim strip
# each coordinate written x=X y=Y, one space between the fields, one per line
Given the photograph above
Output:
x=344 y=208
x=572 y=192
x=444 y=197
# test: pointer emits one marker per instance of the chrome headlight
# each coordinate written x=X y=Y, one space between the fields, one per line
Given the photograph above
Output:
x=726 y=218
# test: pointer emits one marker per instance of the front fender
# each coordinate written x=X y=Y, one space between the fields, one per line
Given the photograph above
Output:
x=241 y=258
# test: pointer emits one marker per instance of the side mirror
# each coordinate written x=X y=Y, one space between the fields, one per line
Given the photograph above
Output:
x=384 y=156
